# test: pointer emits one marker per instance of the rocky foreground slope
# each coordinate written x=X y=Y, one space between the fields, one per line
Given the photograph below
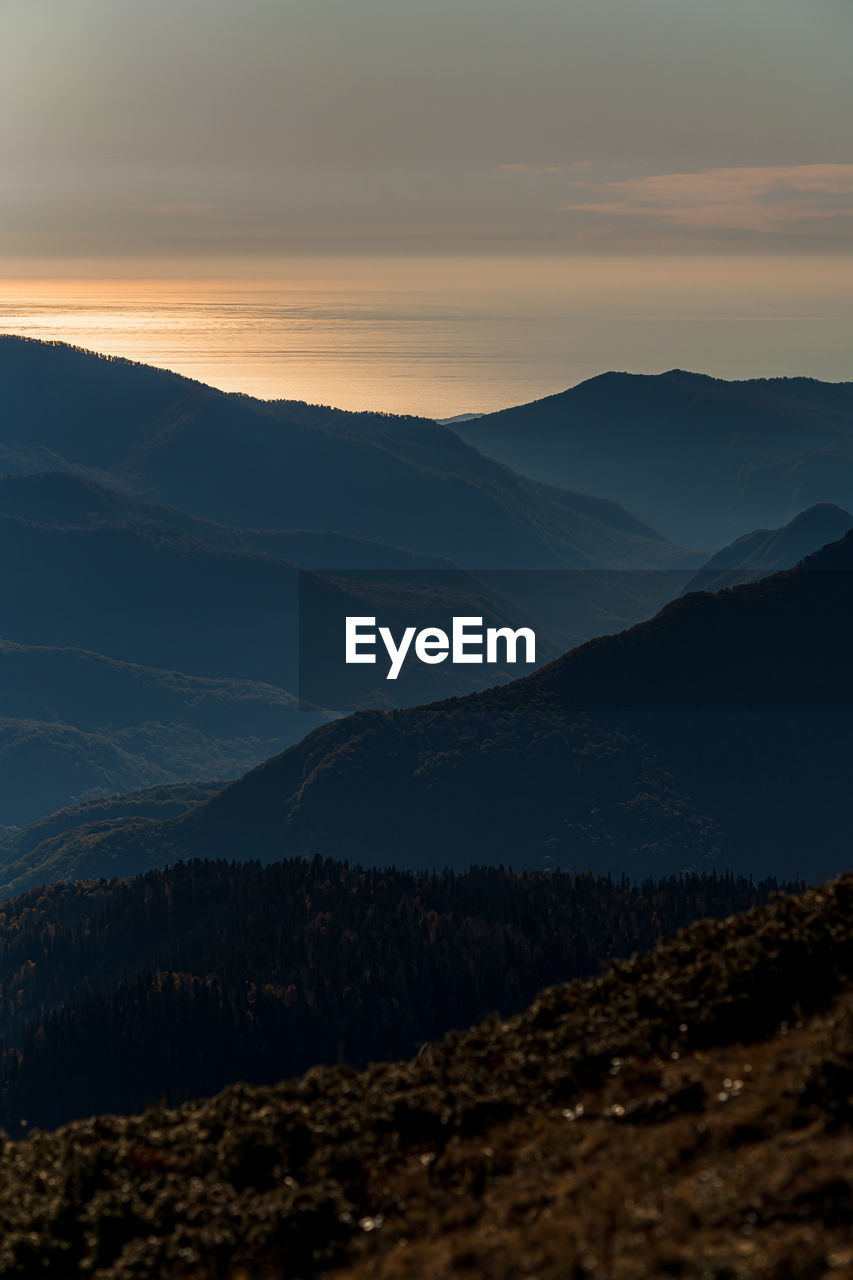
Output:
x=688 y=1114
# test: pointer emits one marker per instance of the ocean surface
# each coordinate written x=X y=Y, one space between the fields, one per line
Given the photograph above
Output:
x=446 y=345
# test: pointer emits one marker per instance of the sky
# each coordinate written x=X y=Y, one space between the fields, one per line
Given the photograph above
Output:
x=163 y=130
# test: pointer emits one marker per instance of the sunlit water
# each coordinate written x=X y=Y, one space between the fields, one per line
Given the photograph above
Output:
x=441 y=346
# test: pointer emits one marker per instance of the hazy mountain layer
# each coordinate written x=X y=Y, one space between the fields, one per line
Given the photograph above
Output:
x=68 y=499
x=286 y=465
x=108 y=604
x=715 y=734
x=703 y=459
x=26 y=853
x=765 y=551
x=46 y=766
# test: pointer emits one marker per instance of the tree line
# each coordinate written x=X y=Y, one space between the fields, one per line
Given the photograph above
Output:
x=173 y=984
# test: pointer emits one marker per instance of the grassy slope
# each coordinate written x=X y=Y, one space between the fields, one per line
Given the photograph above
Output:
x=686 y=1114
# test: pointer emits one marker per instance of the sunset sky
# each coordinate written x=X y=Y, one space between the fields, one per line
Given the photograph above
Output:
x=304 y=140
x=198 y=126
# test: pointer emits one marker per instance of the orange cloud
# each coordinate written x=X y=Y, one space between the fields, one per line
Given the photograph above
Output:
x=766 y=198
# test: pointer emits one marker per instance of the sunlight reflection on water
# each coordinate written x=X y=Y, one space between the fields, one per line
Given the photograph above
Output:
x=436 y=352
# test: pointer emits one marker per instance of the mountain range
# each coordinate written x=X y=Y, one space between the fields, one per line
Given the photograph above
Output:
x=219 y=896
x=124 y=600
x=704 y=460
x=766 y=551
x=75 y=724
x=285 y=465
x=713 y=735
x=145 y=644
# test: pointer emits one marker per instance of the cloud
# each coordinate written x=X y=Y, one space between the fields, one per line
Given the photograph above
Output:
x=759 y=199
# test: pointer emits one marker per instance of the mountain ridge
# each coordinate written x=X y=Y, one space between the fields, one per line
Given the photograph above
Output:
x=407 y=481
x=765 y=551
x=705 y=737
x=711 y=458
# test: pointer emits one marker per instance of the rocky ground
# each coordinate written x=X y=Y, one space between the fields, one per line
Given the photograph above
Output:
x=688 y=1114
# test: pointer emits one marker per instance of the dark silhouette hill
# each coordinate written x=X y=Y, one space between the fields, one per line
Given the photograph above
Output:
x=717 y=733
x=718 y=730
x=766 y=551
x=286 y=465
x=703 y=459
x=687 y=1113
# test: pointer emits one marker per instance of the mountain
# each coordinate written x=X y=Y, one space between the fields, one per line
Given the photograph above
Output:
x=703 y=459
x=87 y=567
x=116 y=612
x=94 y=526
x=75 y=724
x=74 y=686
x=714 y=734
x=142 y=592
x=64 y=499
x=49 y=765
x=129 y=656
x=766 y=551
x=149 y=522
x=24 y=850
x=687 y=1113
x=286 y=465
x=211 y=972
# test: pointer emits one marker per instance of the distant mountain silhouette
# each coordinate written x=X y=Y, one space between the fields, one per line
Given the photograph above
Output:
x=142 y=645
x=286 y=465
x=26 y=853
x=716 y=733
x=66 y=499
x=116 y=602
x=73 y=686
x=75 y=724
x=144 y=593
x=98 y=558
x=766 y=551
x=703 y=459
x=92 y=569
